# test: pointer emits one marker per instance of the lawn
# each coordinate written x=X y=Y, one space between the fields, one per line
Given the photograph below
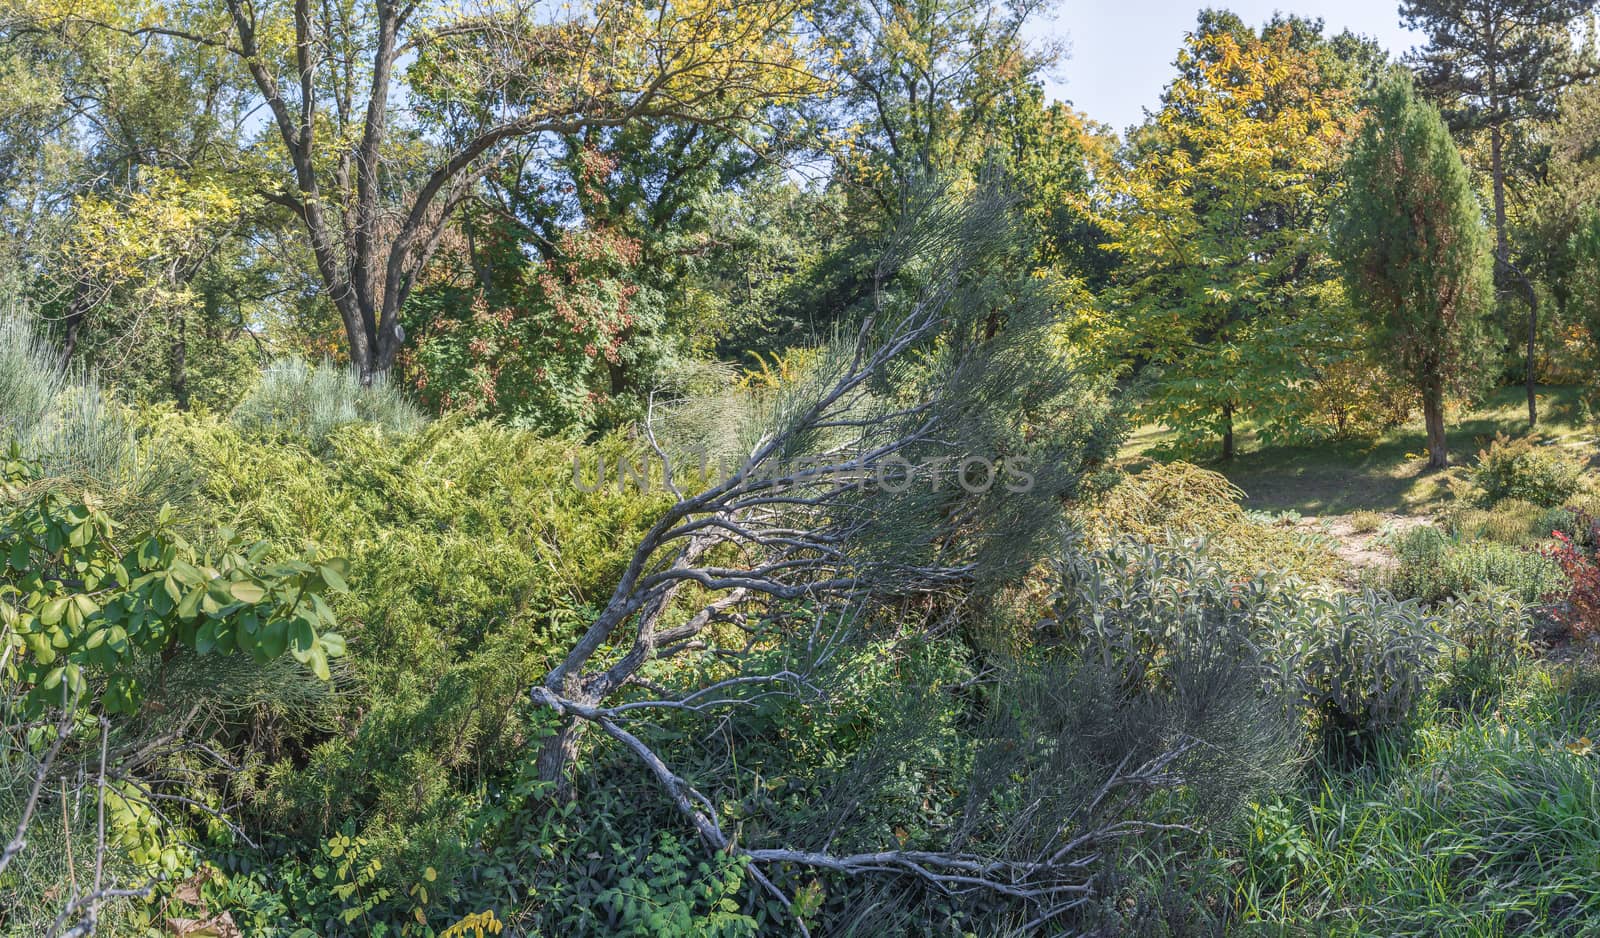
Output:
x=1387 y=474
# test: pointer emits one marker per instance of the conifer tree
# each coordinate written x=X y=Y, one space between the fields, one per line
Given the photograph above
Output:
x=1416 y=251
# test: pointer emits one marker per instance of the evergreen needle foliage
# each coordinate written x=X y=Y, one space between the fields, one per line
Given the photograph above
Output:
x=1416 y=250
x=62 y=421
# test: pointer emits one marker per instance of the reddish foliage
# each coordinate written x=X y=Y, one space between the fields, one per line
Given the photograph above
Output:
x=1579 y=608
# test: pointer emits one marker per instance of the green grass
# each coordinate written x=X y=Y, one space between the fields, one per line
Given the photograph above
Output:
x=1482 y=817
x=1481 y=826
x=1387 y=474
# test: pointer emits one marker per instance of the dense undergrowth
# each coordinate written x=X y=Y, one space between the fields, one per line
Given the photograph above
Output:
x=1389 y=759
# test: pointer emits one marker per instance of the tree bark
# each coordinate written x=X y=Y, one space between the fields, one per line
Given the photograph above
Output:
x=76 y=313
x=1227 y=432
x=1433 y=416
x=558 y=753
x=1533 y=337
x=180 y=364
x=1502 y=256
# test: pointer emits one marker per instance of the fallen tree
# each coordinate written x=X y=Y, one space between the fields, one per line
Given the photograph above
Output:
x=918 y=466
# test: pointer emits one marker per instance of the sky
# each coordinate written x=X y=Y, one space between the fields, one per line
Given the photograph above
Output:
x=1120 y=52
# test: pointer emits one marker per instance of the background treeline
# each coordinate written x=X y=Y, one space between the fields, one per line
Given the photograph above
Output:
x=309 y=629
x=518 y=222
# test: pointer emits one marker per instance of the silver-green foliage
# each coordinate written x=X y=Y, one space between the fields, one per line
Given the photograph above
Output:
x=310 y=401
x=1180 y=648
x=1362 y=663
x=1489 y=633
x=62 y=421
x=31 y=376
x=1167 y=619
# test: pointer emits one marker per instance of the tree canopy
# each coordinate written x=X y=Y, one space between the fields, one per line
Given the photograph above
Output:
x=1225 y=294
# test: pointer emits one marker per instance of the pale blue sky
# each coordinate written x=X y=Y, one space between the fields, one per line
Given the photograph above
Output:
x=1120 y=52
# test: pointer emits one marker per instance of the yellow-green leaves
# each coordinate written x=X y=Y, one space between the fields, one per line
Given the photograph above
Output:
x=134 y=237
x=1227 y=290
x=81 y=605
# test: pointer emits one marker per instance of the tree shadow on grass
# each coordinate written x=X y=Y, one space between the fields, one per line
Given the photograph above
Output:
x=1390 y=474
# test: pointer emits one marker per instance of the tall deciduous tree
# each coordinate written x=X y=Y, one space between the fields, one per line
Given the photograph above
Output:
x=1220 y=218
x=1416 y=251
x=385 y=114
x=118 y=211
x=922 y=87
x=1495 y=64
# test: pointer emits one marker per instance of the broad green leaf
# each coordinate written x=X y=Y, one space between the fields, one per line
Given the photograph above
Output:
x=246 y=591
x=53 y=611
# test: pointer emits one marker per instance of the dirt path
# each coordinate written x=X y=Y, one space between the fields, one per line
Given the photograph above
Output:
x=1364 y=549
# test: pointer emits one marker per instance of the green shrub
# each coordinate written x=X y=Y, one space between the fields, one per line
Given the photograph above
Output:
x=1362 y=663
x=1359 y=661
x=1157 y=647
x=1175 y=625
x=1544 y=475
x=1278 y=849
x=1365 y=522
x=1526 y=574
x=923 y=743
x=1419 y=555
x=309 y=402
x=1489 y=634
x=1576 y=521
x=1433 y=566
x=112 y=627
x=473 y=558
x=1512 y=521
x=1170 y=504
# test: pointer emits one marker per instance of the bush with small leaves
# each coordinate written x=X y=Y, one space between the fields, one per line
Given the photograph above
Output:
x=1524 y=572
x=92 y=624
x=1577 y=606
x=473 y=555
x=1488 y=632
x=1419 y=554
x=1141 y=608
x=1525 y=469
x=1434 y=566
x=1576 y=523
x=1513 y=521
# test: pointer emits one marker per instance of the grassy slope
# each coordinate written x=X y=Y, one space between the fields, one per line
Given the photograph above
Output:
x=1387 y=474
x=1480 y=824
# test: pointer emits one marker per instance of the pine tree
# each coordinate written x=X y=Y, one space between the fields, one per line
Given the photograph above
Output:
x=1416 y=251
x=1493 y=65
